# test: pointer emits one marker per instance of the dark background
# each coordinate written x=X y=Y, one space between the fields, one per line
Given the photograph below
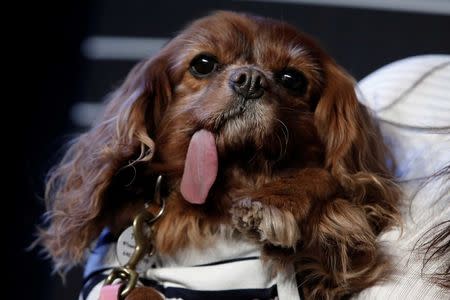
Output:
x=51 y=75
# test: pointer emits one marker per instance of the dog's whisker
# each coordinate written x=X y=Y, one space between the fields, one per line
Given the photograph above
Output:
x=285 y=131
x=281 y=155
x=289 y=109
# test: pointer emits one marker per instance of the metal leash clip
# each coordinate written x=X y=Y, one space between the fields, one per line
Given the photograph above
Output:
x=142 y=230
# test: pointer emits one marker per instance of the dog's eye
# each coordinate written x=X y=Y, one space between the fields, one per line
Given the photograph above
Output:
x=293 y=80
x=202 y=65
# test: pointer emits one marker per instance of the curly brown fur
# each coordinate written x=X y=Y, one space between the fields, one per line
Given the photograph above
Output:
x=302 y=172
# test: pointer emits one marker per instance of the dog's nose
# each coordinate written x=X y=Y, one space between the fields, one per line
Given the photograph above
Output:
x=248 y=82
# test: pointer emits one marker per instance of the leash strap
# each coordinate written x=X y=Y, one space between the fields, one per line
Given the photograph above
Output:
x=142 y=231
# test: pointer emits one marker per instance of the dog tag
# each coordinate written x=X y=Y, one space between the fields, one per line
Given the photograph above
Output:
x=125 y=248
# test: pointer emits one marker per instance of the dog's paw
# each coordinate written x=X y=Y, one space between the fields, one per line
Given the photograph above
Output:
x=246 y=216
x=265 y=223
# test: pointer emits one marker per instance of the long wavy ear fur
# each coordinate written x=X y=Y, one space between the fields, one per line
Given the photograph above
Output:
x=343 y=256
x=355 y=152
x=344 y=230
x=77 y=188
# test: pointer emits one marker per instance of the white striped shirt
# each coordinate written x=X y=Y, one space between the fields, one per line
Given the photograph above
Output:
x=229 y=269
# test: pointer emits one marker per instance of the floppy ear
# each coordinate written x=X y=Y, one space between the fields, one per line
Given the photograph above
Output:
x=77 y=188
x=346 y=128
x=355 y=152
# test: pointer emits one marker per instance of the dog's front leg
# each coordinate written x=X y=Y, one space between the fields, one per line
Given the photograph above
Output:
x=273 y=213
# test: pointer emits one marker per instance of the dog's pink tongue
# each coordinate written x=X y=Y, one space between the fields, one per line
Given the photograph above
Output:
x=200 y=168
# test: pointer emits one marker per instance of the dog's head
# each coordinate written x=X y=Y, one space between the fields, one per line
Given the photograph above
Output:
x=242 y=90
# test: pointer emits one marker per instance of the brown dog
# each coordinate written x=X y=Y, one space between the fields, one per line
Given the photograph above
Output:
x=258 y=132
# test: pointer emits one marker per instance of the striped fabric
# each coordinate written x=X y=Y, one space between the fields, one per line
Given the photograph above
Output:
x=411 y=98
x=229 y=269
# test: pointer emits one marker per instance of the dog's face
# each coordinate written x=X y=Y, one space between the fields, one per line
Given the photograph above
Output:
x=243 y=78
x=253 y=83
